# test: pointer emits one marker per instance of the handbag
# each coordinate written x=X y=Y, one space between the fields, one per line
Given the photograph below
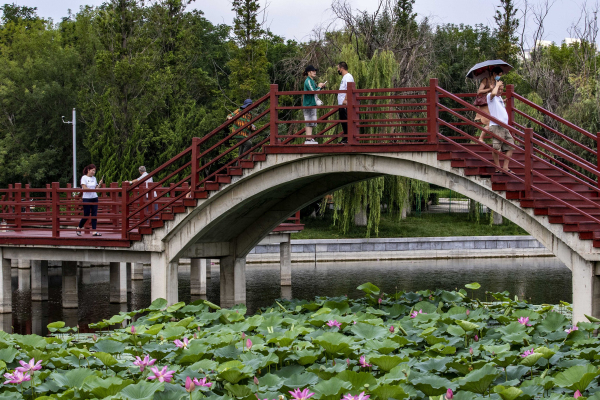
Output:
x=480 y=100
x=319 y=102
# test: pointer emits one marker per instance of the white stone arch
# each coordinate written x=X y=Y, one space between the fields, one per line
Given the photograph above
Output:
x=234 y=219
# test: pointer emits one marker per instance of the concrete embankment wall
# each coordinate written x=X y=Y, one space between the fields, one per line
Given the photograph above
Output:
x=404 y=249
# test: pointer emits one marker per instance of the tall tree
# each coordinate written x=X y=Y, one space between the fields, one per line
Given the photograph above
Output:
x=506 y=28
x=249 y=66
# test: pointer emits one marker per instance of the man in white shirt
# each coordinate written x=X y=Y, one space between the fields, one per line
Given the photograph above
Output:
x=498 y=111
x=146 y=183
x=342 y=68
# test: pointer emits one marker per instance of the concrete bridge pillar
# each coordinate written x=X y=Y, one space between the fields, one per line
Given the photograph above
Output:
x=5 y=285
x=70 y=294
x=586 y=288
x=39 y=280
x=198 y=275
x=137 y=271
x=285 y=262
x=24 y=279
x=24 y=264
x=233 y=281
x=6 y=322
x=118 y=282
x=164 y=278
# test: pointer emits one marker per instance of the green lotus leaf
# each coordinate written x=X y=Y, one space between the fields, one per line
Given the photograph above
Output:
x=386 y=363
x=426 y=306
x=577 y=377
x=369 y=288
x=479 y=380
x=369 y=332
x=455 y=330
x=396 y=310
x=107 y=359
x=531 y=359
x=204 y=365
x=102 y=388
x=398 y=374
x=227 y=353
x=473 y=286
x=257 y=361
x=467 y=325
x=304 y=357
x=238 y=391
x=142 y=390
x=185 y=322
x=497 y=349
x=382 y=346
x=389 y=392
x=505 y=359
x=234 y=375
x=334 y=343
x=71 y=379
x=158 y=304
x=432 y=385
x=433 y=364
x=450 y=297
x=30 y=342
x=175 y=307
x=510 y=393
x=342 y=306
x=55 y=325
x=532 y=315
x=442 y=349
x=154 y=329
x=545 y=352
x=109 y=346
x=8 y=354
x=358 y=380
x=513 y=327
x=270 y=382
x=173 y=332
x=331 y=388
x=552 y=323
x=300 y=380
x=592 y=319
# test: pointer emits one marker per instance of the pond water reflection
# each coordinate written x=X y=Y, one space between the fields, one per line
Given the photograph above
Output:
x=538 y=280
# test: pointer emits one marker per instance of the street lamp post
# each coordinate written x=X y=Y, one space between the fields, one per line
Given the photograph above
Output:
x=74 y=123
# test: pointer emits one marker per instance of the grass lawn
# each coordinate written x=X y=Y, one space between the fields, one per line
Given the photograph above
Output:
x=427 y=225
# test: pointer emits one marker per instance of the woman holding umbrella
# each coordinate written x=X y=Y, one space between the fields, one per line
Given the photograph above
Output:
x=488 y=70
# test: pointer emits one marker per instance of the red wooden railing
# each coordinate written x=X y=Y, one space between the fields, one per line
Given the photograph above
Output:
x=379 y=120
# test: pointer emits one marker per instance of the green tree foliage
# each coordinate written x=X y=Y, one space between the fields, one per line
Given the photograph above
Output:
x=506 y=28
x=249 y=65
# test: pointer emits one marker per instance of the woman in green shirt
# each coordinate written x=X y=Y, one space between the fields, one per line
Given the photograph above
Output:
x=310 y=114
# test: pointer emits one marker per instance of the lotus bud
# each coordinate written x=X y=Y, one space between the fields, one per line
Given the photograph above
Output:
x=468 y=312
x=132 y=330
x=379 y=300
x=577 y=394
x=392 y=329
x=243 y=336
x=281 y=397
x=249 y=344
x=198 y=328
x=195 y=335
x=256 y=380
x=139 y=343
x=189 y=385
x=470 y=350
x=94 y=337
x=334 y=363
x=81 y=356
x=348 y=361
x=476 y=338
x=449 y=394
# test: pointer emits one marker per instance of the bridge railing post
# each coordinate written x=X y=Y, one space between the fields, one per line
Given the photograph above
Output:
x=528 y=161
x=18 y=205
x=598 y=154
x=55 y=210
x=510 y=104
x=273 y=115
x=353 y=119
x=124 y=210
x=433 y=113
x=195 y=161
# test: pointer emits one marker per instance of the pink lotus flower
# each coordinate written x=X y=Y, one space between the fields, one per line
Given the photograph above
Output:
x=470 y=350
x=348 y=361
x=414 y=313
x=468 y=312
x=132 y=330
x=249 y=344
x=476 y=338
x=161 y=375
x=527 y=353
x=256 y=382
x=94 y=337
x=301 y=395
x=189 y=385
x=146 y=362
x=572 y=329
x=243 y=336
x=577 y=394
x=524 y=321
x=363 y=362
x=361 y=396
x=180 y=344
x=392 y=329
x=333 y=322
x=17 y=377
x=379 y=300
x=30 y=366
x=449 y=394
x=202 y=382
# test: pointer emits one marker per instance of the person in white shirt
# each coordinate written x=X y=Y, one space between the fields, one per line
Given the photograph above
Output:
x=147 y=182
x=342 y=68
x=498 y=111
x=90 y=199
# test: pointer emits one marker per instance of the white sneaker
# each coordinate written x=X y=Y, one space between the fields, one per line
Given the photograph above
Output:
x=311 y=141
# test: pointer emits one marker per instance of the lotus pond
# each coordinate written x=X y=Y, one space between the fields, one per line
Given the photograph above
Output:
x=440 y=344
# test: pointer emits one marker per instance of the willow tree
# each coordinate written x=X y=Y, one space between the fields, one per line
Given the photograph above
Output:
x=363 y=200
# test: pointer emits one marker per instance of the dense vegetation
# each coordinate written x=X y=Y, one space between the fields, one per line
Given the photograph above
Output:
x=398 y=345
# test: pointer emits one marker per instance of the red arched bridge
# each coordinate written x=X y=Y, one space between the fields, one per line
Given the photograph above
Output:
x=212 y=201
